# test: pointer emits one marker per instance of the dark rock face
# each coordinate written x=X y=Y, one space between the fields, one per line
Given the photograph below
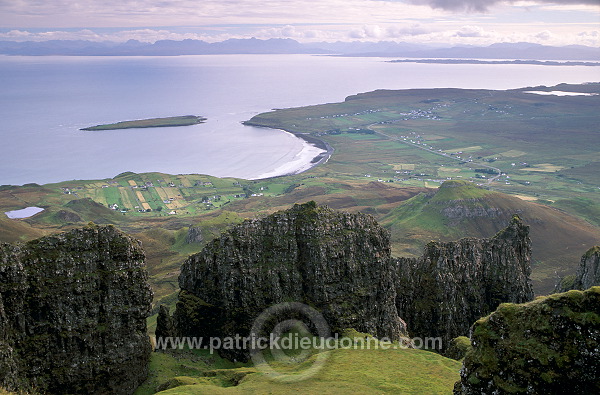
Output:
x=548 y=346
x=68 y=216
x=453 y=284
x=165 y=326
x=194 y=236
x=73 y=311
x=338 y=263
x=588 y=273
x=461 y=211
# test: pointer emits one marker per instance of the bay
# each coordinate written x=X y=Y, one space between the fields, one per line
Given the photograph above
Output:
x=44 y=101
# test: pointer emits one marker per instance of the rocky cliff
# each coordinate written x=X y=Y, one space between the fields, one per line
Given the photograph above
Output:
x=587 y=275
x=453 y=284
x=340 y=264
x=548 y=346
x=336 y=262
x=73 y=311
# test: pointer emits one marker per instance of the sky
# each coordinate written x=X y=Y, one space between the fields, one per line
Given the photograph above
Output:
x=447 y=22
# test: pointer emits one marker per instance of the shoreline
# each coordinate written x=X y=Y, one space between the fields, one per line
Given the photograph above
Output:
x=321 y=158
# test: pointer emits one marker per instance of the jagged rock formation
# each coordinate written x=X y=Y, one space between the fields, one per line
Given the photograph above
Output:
x=165 y=325
x=73 y=311
x=453 y=284
x=194 y=235
x=548 y=346
x=461 y=211
x=588 y=273
x=338 y=263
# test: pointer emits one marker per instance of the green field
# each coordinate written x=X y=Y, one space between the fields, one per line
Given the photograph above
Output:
x=545 y=146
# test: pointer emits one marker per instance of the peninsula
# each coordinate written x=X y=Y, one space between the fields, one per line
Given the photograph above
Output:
x=185 y=120
x=477 y=61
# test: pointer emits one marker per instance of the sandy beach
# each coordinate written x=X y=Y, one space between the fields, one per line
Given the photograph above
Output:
x=314 y=152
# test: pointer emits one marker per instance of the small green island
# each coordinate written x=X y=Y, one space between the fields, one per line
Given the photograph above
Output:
x=185 y=120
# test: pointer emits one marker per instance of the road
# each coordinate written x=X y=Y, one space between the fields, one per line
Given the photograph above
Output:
x=445 y=155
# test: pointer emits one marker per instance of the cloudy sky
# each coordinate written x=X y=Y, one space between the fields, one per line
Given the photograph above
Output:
x=476 y=22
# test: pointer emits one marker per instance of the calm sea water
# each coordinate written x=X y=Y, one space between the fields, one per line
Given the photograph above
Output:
x=45 y=100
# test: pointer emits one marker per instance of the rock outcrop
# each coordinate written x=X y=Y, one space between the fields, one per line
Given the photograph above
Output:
x=588 y=273
x=340 y=264
x=73 y=311
x=335 y=262
x=453 y=284
x=548 y=346
x=194 y=235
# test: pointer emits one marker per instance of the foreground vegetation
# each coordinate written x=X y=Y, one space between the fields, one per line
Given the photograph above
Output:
x=407 y=371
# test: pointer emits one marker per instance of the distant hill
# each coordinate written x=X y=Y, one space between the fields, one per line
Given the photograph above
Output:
x=289 y=46
x=501 y=51
x=79 y=210
x=461 y=209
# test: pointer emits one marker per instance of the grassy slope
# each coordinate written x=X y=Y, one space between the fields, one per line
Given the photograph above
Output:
x=558 y=239
x=346 y=371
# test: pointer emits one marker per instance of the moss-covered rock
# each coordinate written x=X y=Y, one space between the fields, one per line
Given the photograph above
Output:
x=548 y=346
x=73 y=311
x=338 y=263
x=458 y=348
x=453 y=284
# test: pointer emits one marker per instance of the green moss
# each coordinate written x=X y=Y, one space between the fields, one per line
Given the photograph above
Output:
x=592 y=251
x=458 y=348
x=567 y=283
x=537 y=343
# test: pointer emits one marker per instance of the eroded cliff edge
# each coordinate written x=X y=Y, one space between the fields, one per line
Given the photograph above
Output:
x=73 y=311
x=340 y=264
x=454 y=284
x=336 y=262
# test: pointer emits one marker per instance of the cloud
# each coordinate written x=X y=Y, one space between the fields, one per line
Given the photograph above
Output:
x=470 y=31
x=485 y=5
x=144 y=35
x=367 y=31
x=544 y=36
x=415 y=29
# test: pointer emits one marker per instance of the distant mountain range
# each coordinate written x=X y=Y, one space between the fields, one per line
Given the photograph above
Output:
x=289 y=46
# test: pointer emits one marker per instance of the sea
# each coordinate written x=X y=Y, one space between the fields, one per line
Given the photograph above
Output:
x=45 y=101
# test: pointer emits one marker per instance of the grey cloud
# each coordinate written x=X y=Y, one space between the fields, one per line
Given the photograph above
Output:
x=484 y=5
x=470 y=31
x=411 y=30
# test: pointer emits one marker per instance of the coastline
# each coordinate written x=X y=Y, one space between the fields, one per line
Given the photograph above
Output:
x=320 y=158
